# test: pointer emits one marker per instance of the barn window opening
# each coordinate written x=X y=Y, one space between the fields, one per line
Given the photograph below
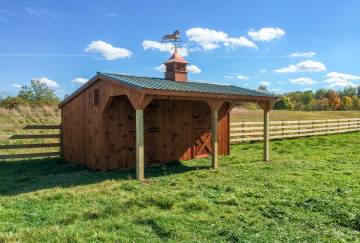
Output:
x=96 y=97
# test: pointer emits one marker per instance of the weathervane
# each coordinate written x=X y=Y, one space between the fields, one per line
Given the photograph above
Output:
x=173 y=38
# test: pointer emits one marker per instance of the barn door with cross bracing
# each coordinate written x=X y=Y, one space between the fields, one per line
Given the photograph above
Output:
x=201 y=115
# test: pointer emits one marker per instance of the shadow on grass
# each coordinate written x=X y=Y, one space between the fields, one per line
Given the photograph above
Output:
x=23 y=176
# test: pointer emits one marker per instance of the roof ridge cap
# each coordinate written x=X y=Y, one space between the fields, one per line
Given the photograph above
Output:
x=129 y=75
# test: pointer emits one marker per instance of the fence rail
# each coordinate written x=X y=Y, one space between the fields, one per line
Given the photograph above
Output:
x=39 y=143
x=253 y=131
x=239 y=132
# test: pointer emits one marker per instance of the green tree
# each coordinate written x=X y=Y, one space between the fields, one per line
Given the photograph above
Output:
x=263 y=88
x=297 y=98
x=320 y=93
x=307 y=97
x=356 y=103
x=284 y=103
x=349 y=91
x=346 y=103
x=38 y=94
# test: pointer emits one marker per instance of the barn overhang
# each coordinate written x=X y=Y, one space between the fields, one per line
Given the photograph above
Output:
x=140 y=94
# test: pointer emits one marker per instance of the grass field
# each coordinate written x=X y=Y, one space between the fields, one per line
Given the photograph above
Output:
x=309 y=192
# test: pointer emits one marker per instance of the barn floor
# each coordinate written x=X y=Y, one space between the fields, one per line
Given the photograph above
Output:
x=310 y=192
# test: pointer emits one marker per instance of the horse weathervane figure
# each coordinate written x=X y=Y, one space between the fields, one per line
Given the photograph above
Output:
x=173 y=38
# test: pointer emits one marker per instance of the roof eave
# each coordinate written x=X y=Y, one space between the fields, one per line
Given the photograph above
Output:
x=149 y=91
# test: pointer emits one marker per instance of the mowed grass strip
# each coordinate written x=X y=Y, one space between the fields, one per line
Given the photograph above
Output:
x=309 y=192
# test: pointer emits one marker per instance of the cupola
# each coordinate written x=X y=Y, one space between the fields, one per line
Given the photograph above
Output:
x=175 y=68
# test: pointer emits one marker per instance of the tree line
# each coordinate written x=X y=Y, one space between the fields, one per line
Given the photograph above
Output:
x=39 y=94
x=321 y=100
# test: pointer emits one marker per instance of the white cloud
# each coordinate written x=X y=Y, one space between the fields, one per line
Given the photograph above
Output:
x=335 y=79
x=305 y=66
x=210 y=39
x=42 y=12
x=108 y=51
x=266 y=34
x=79 y=80
x=339 y=82
x=160 y=68
x=164 y=47
x=242 y=77
x=193 y=69
x=303 y=81
x=275 y=90
x=342 y=75
x=16 y=85
x=264 y=70
x=48 y=82
x=303 y=54
x=239 y=41
x=236 y=76
x=265 y=83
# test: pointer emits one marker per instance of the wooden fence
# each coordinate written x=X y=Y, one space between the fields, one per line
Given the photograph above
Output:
x=30 y=137
x=253 y=131
x=239 y=132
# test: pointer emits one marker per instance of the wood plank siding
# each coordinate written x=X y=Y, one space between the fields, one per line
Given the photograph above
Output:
x=103 y=136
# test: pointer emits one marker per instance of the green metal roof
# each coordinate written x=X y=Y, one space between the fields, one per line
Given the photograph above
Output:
x=164 y=84
x=189 y=86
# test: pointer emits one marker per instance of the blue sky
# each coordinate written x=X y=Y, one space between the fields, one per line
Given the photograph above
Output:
x=287 y=45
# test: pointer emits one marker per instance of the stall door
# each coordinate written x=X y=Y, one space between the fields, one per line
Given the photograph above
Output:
x=201 y=115
x=152 y=136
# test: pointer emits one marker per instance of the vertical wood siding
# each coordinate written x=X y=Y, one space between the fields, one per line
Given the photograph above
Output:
x=174 y=130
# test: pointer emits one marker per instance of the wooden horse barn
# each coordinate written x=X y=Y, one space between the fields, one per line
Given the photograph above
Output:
x=119 y=121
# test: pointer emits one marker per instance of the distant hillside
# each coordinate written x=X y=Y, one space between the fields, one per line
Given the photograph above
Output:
x=30 y=115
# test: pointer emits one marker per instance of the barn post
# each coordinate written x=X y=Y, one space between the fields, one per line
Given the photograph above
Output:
x=215 y=106
x=140 y=144
x=266 y=135
x=139 y=101
x=214 y=139
x=266 y=107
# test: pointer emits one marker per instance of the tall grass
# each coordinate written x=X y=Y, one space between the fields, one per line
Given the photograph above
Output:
x=12 y=121
x=29 y=115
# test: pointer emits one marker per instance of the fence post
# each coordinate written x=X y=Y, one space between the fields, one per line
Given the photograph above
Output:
x=61 y=141
x=312 y=127
x=326 y=126
x=243 y=131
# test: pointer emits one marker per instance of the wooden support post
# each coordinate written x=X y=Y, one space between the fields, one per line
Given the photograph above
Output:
x=266 y=107
x=266 y=135
x=215 y=106
x=140 y=144
x=139 y=101
x=214 y=139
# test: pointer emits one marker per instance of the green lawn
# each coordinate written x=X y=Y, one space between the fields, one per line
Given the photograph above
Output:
x=309 y=192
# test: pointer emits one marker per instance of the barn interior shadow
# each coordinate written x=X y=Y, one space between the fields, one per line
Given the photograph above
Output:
x=31 y=175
